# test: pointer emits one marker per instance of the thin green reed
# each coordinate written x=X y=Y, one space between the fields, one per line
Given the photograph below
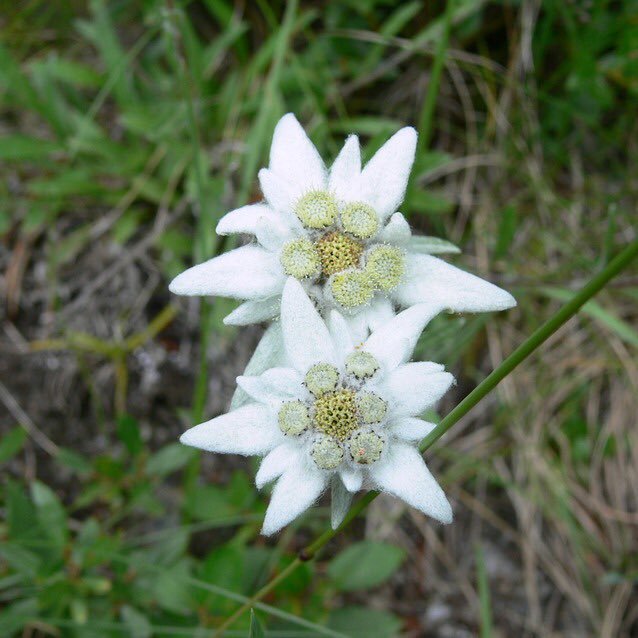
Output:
x=529 y=346
x=427 y=111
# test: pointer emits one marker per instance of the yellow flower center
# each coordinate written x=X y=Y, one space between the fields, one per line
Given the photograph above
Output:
x=338 y=252
x=336 y=414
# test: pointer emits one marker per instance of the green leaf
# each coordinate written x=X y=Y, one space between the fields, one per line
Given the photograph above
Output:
x=22 y=560
x=364 y=565
x=224 y=567
x=23 y=148
x=169 y=459
x=16 y=616
x=50 y=513
x=256 y=628
x=137 y=623
x=432 y=245
x=20 y=513
x=506 y=231
x=367 y=125
x=361 y=622
x=74 y=461
x=424 y=202
x=172 y=590
x=208 y=503
x=11 y=443
x=128 y=432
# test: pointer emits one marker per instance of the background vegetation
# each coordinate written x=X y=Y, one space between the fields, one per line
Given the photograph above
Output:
x=127 y=129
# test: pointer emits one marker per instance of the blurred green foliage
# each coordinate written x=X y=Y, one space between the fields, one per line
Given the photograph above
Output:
x=122 y=109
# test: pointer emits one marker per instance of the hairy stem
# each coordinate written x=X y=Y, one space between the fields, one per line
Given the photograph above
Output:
x=531 y=344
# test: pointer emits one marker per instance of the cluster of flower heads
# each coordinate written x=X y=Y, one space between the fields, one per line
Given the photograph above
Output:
x=330 y=398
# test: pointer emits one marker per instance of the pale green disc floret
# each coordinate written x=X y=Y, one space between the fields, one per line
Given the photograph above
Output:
x=321 y=378
x=300 y=259
x=361 y=365
x=317 y=210
x=359 y=220
x=385 y=266
x=294 y=418
x=371 y=407
x=327 y=453
x=365 y=447
x=352 y=288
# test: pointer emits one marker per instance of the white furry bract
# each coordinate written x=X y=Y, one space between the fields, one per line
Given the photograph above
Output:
x=330 y=399
x=255 y=273
x=387 y=445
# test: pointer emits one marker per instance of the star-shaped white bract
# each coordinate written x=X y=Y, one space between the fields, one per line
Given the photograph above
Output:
x=340 y=414
x=337 y=231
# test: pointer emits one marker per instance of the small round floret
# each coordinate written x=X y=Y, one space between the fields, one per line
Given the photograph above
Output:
x=365 y=447
x=372 y=408
x=361 y=364
x=294 y=418
x=300 y=259
x=352 y=288
x=321 y=378
x=326 y=453
x=359 y=220
x=317 y=210
x=385 y=266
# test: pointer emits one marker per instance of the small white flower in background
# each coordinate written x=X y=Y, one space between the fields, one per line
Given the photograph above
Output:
x=342 y=414
x=338 y=233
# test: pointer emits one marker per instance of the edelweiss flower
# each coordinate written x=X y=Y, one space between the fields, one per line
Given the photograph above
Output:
x=342 y=414
x=338 y=233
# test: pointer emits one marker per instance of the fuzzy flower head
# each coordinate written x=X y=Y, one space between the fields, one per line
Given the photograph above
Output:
x=339 y=234
x=341 y=414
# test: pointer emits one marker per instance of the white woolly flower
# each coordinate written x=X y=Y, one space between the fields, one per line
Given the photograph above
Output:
x=342 y=414
x=338 y=233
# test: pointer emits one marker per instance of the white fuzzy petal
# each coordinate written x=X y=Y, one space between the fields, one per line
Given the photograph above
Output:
x=246 y=219
x=358 y=326
x=248 y=272
x=410 y=429
x=340 y=502
x=340 y=333
x=385 y=177
x=351 y=478
x=379 y=313
x=274 y=464
x=294 y=157
x=397 y=230
x=404 y=473
x=284 y=381
x=273 y=386
x=415 y=387
x=346 y=169
x=431 y=280
x=272 y=236
x=306 y=337
x=268 y=353
x=254 y=312
x=394 y=342
x=248 y=430
x=280 y=193
x=296 y=490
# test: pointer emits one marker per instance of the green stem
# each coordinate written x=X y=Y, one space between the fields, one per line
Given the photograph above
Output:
x=262 y=593
x=532 y=343
x=539 y=336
